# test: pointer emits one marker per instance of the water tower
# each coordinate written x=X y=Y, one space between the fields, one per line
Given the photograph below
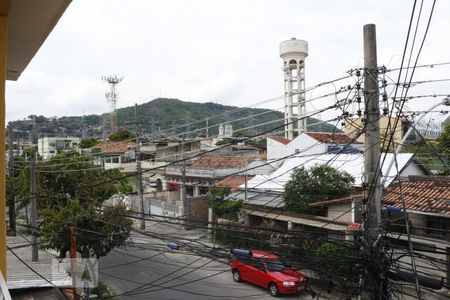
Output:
x=293 y=52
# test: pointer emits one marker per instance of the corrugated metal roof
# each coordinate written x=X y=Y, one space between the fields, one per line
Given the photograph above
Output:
x=350 y=163
x=426 y=194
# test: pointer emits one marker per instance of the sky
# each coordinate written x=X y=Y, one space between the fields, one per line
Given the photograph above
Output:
x=215 y=51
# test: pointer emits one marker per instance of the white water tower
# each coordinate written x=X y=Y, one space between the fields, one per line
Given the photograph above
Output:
x=293 y=52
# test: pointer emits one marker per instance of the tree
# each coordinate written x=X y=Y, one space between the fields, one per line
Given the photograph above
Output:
x=121 y=135
x=88 y=142
x=320 y=182
x=72 y=192
x=220 y=206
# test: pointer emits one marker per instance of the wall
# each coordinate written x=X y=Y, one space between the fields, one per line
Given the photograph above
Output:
x=275 y=149
x=306 y=145
x=199 y=209
x=352 y=128
x=340 y=212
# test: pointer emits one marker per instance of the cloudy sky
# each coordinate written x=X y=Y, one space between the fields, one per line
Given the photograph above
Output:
x=210 y=50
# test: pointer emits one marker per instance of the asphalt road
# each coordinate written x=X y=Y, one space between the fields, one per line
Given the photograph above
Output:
x=146 y=269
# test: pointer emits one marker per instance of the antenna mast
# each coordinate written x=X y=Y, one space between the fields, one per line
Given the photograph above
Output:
x=111 y=97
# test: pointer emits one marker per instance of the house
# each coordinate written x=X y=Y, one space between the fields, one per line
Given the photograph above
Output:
x=264 y=204
x=48 y=147
x=311 y=143
x=354 y=127
x=201 y=174
x=111 y=154
x=171 y=151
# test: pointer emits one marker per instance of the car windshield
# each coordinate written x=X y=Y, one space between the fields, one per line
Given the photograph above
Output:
x=274 y=265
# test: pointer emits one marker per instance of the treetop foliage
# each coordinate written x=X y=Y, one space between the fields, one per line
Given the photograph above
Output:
x=318 y=183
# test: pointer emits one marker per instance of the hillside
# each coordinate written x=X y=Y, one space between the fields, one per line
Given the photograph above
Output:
x=163 y=114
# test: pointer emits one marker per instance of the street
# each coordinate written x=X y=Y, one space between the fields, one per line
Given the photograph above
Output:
x=147 y=269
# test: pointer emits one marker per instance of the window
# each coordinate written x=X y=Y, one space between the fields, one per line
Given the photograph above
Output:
x=259 y=265
x=437 y=226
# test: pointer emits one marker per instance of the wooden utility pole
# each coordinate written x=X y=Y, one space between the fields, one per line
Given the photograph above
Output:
x=139 y=170
x=11 y=194
x=372 y=223
x=73 y=260
x=34 y=245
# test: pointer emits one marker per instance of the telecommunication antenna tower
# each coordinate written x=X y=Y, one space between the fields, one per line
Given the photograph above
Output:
x=293 y=52
x=111 y=97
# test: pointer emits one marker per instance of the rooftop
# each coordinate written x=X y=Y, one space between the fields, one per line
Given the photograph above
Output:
x=426 y=194
x=233 y=181
x=280 y=139
x=331 y=138
x=221 y=162
x=115 y=147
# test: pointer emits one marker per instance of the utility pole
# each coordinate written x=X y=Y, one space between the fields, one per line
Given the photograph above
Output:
x=73 y=260
x=372 y=224
x=183 y=187
x=139 y=169
x=11 y=194
x=34 y=246
x=207 y=127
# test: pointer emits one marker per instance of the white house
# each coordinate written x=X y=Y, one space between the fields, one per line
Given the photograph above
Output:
x=50 y=146
x=311 y=143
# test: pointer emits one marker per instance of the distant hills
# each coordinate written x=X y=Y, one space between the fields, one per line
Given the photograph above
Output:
x=168 y=115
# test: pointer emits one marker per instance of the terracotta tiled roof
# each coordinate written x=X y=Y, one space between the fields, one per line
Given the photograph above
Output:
x=428 y=194
x=331 y=138
x=221 y=162
x=233 y=181
x=354 y=227
x=280 y=139
x=115 y=147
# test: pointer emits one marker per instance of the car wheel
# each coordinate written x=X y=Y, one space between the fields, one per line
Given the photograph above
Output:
x=273 y=290
x=236 y=276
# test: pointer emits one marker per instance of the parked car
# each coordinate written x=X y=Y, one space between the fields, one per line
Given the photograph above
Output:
x=268 y=271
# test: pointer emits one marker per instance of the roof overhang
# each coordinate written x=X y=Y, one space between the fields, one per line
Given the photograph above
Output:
x=29 y=24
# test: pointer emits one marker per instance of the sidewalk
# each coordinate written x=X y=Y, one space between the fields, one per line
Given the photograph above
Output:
x=20 y=276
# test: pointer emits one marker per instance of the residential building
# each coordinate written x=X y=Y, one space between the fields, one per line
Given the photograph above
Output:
x=354 y=127
x=48 y=147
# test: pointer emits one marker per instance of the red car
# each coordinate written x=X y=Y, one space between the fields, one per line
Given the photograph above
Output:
x=268 y=271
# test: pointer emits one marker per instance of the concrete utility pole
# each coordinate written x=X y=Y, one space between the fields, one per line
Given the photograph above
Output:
x=372 y=134
x=34 y=245
x=372 y=224
x=139 y=169
x=183 y=187
x=11 y=194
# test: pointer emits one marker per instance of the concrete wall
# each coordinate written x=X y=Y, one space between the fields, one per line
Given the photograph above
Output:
x=305 y=145
x=340 y=212
x=275 y=149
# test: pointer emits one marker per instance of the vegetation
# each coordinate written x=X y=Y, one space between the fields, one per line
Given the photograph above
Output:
x=320 y=182
x=121 y=135
x=88 y=142
x=72 y=192
x=159 y=113
x=220 y=206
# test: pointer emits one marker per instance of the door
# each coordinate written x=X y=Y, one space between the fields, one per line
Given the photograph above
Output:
x=260 y=275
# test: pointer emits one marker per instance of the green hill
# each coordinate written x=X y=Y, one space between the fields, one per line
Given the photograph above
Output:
x=169 y=115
